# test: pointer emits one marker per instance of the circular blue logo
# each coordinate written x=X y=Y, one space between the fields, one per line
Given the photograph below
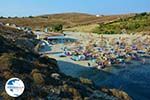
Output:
x=14 y=87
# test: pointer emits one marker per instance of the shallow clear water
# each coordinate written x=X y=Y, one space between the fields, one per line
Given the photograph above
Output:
x=133 y=78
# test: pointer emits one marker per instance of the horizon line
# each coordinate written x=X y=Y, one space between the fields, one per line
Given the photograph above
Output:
x=36 y=15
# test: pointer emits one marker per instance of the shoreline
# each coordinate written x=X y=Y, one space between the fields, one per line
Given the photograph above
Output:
x=85 y=42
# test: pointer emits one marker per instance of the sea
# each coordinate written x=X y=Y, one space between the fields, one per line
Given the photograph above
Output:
x=133 y=78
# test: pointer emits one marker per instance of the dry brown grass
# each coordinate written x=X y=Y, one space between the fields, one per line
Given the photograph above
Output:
x=67 y=19
x=5 y=61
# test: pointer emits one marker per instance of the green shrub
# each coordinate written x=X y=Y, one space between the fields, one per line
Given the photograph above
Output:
x=57 y=27
x=31 y=17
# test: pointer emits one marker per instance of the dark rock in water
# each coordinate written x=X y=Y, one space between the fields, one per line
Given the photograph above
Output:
x=41 y=75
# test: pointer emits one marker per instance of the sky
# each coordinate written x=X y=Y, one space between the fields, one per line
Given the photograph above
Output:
x=102 y=7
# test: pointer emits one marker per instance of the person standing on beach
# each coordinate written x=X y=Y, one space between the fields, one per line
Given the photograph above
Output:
x=143 y=61
x=89 y=65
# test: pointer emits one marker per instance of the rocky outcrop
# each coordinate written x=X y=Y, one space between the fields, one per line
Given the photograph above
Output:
x=117 y=93
x=19 y=37
x=41 y=75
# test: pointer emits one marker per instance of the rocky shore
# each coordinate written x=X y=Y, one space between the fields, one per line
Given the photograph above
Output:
x=41 y=74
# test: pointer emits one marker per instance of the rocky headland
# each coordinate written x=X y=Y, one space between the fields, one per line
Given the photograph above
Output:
x=41 y=74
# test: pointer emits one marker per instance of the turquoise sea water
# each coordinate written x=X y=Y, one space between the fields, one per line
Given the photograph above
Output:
x=133 y=78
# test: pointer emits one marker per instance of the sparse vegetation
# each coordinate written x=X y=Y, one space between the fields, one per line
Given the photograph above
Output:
x=57 y=27
x=31 y=17
x=1 y=17
x=83 y=28
x=138 y=23
x=68 y=20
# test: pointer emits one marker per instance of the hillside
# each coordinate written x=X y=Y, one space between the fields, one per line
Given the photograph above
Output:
x=140 y=23
x=41 y=74
x=67 y=19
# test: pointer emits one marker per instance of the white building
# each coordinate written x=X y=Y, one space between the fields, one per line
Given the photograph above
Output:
x=7 y=24
x=43 y=47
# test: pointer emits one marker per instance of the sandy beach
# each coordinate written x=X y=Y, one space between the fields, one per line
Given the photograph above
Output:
x=88 y=39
